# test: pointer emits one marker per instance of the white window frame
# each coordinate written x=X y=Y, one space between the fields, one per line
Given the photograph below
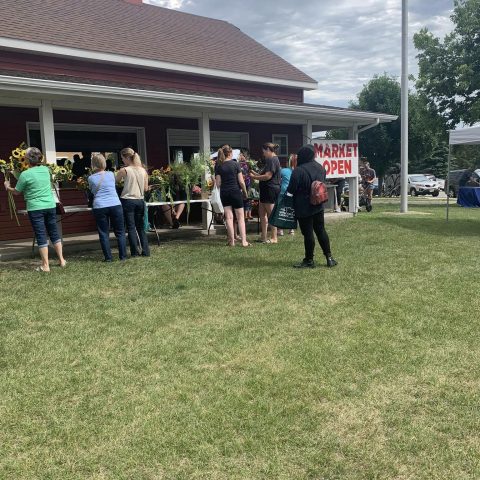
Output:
x=274 y=140
x=85 y=127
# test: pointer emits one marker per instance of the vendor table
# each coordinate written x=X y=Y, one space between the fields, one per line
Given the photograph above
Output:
x=69 y=211
x=171 y=204
x=469 y=197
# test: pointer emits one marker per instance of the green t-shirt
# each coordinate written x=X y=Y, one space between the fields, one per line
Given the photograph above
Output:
x=36 y=187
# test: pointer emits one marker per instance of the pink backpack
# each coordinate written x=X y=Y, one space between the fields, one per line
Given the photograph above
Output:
x=318 y=193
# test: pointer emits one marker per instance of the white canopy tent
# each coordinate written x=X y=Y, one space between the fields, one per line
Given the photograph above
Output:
x=464 y=136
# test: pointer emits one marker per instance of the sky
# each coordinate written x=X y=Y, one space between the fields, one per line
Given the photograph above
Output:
x=339 y=43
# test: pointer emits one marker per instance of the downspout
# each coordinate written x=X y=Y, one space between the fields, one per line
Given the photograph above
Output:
x=368 y=127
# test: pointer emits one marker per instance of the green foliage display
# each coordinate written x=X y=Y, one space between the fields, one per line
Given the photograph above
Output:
x=449 y=70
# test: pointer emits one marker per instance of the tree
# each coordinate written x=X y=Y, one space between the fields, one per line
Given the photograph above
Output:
x=449 y=71
x=428 y=147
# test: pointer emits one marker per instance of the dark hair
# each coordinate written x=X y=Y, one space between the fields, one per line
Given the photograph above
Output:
x=305 y=154
x=223 y=153
x=272 y=147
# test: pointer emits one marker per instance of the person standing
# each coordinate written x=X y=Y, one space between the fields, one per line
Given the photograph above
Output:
x=368 y=177
x=270 y=180
x=310 y=217
x=107 y=208
x=339 y=186
x=35 y=184
x=286 y=174
x=132 y=197
x=229 y=179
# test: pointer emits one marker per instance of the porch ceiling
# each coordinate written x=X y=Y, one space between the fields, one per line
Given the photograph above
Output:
x=28 y=92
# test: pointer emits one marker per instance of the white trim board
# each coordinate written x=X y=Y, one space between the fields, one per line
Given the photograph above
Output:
x=111 y=58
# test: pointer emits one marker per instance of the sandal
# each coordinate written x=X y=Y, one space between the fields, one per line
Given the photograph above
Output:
x=40 y=269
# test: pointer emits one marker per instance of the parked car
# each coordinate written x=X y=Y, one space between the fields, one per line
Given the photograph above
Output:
x=459 y=178
x=419 y=184
x=440 y=181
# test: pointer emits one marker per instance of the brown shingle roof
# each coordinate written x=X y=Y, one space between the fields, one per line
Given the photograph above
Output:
x=143 y=31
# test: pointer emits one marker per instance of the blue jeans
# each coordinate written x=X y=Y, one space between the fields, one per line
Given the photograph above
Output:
x=43 y=222
x=134 y=210
x=114 y=216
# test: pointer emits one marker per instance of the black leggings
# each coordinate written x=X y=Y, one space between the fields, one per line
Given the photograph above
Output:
x=316 y=224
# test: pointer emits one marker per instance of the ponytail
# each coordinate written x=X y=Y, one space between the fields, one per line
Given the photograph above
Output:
x=223 y=153
x=132 y=155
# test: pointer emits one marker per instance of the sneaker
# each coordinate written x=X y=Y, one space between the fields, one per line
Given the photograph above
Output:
x=331 y=262
x=305 y=264
x=338 y=210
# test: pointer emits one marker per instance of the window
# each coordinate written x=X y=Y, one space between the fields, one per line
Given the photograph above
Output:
x=282 y=142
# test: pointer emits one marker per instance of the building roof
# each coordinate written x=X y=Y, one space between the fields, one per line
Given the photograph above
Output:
x=143 y=32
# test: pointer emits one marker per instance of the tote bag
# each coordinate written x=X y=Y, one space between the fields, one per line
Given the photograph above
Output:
x=283 y=214
x=215 y=200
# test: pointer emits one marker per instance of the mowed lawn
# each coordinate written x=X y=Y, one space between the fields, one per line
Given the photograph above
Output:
x=205 y=362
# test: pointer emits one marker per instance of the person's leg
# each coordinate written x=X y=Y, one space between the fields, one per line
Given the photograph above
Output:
x=51 y=224
x=269 y=208
x=129 y=216
x=179 y=210
x=140 y=227
x=306 y=227
x=228 y=212
x=118 y=225
x=103 y=228
x=262 y=213
x=168 y=213
x=37 y=220
x=240 y=214
x=323 y=239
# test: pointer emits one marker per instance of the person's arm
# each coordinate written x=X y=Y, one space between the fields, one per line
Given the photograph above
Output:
x=261 y=178
x=120 y=175
x=293 y=185
x=146 y=186
x=218 y=181
x=241 y=182
x=8 y=188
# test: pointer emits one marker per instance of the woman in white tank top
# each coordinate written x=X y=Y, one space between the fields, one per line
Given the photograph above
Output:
x=135 y=179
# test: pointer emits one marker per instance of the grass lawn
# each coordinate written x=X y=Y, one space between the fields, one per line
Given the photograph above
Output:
x=205 y=362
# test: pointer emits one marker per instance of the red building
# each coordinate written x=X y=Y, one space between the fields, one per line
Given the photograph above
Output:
x=101 y=75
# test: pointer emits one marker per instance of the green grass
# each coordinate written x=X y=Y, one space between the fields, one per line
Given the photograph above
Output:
x=205 y=362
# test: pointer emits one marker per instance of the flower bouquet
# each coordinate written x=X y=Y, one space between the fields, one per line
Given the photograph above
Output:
x=160 y=185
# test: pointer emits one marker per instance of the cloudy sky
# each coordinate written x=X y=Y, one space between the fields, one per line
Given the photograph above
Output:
x=340 y=43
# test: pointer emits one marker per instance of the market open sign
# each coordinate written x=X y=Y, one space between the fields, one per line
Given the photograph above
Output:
x=338 y=157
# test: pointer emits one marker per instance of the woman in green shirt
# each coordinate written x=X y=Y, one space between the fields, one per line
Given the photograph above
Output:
x=36 y=186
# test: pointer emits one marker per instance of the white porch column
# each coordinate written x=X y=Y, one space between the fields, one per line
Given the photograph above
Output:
x=307 y=132
x=204 y=134
x=353 y=181
x=47 y=131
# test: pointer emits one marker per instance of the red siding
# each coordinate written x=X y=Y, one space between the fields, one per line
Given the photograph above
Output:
x=140 y=77
x=13 y=128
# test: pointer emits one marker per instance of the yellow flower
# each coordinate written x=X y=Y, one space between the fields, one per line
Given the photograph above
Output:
x=62 y=170
x=16 y=153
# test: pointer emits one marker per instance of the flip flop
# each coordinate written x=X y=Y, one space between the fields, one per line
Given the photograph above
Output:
x=40 y=269
x=64 y=264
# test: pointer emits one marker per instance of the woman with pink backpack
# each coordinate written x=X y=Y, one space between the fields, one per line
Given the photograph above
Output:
x=307 y=186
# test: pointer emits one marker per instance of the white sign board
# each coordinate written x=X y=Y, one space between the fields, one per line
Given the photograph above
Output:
x=338 y=157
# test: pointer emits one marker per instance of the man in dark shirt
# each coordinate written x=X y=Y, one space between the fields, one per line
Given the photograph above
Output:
x=368 y=177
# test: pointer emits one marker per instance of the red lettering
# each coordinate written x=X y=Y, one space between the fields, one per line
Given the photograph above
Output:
x=349 y=150
x=318 y=150
x=334 y=166
x=341 y=151
x=355 y=149
x=348 y=167
x=327 y=152
x=334 y=150
x=341 y=167
x=326 y=166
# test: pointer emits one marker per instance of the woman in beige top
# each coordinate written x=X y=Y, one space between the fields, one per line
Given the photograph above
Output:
x=135 y=179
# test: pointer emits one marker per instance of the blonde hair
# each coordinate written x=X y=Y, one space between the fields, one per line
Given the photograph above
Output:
x=224 y=152
x=98 y=161
x=132 y=156
x=33 y=155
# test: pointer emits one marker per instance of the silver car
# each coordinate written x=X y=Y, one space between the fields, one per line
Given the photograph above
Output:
x=419 y=184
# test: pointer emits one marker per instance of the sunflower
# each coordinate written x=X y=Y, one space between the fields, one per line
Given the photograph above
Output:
x=17 y=153
x=62 y=171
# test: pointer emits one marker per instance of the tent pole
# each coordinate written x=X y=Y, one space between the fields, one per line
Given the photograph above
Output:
x=448 y=178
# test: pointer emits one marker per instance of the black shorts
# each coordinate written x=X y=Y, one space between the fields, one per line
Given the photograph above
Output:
x=269 y=194
x=232 y=199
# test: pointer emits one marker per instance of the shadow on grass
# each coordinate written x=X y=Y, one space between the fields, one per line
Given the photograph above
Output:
x=435 y=225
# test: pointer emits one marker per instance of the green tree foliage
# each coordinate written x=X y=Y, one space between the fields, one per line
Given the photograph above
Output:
x=449 y=72
x=428 y=147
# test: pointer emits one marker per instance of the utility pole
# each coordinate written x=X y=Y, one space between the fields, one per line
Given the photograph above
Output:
x=404 y=112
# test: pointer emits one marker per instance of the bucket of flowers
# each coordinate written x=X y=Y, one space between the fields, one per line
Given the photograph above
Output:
x=160 y=188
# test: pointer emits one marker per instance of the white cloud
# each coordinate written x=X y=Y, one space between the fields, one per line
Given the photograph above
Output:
x=340 y=43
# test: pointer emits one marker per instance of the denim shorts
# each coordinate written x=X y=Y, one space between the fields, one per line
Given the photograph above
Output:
x=44 y=224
